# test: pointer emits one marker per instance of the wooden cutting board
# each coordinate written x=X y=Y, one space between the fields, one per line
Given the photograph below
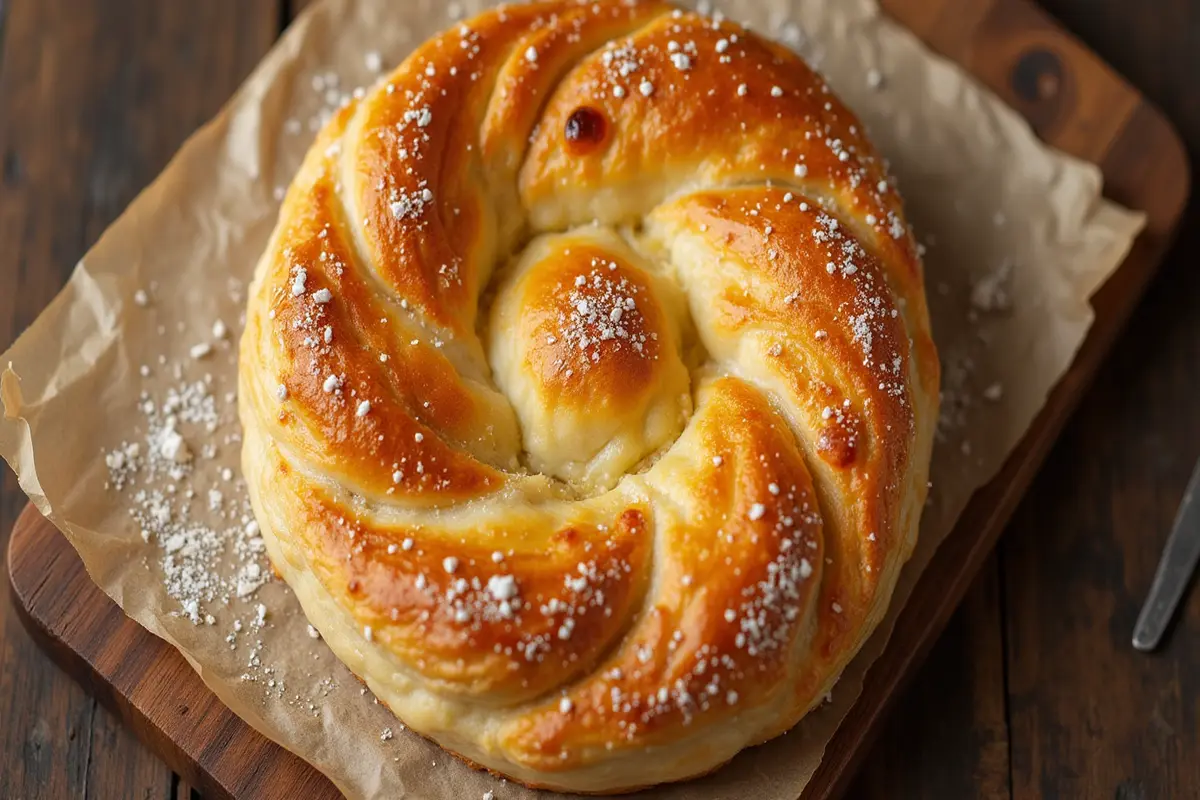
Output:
x=1073 y=100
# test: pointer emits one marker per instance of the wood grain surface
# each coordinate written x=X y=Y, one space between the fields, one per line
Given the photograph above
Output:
x=1032 y=692
x=1086 y=716
x=95 y=96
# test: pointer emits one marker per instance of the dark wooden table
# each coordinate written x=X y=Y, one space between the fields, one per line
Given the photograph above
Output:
x=1033 y=691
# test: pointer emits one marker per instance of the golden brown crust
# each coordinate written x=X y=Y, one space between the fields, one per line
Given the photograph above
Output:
x=585 y=343
x=449 y=606
x=732 y=598
x=588 y=391
x=593 y=328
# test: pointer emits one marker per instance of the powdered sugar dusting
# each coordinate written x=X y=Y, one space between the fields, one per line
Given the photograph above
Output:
x=174 y=481
x=202 y=563
x=602 y=316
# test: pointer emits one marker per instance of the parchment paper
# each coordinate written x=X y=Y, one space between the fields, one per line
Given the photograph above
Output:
x=1017 y=235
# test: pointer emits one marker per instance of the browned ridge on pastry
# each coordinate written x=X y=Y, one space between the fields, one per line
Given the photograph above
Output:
x=589 y=392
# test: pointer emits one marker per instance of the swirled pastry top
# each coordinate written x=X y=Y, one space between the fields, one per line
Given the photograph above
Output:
x=589 y=391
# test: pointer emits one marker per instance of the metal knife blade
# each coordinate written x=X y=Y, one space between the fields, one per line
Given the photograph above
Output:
x=1174 y=570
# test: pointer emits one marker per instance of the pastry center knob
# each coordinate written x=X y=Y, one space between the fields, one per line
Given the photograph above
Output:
x=584 y=341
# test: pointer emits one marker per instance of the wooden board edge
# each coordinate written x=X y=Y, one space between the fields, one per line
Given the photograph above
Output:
x=1125 y=162
x=83 y=672
x=199 y=737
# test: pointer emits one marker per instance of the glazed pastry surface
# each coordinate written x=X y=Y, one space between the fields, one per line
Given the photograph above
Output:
x=589 y=391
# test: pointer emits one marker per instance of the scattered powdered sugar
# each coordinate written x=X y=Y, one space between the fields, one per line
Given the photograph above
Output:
x=966 y=382
x=409 y=205
x=603 y=314
x=202 y=563
x=201 y=350
x=172 y=477
x=299 y=279
x=993 y=291
x=502 y=587
x=330 y=95
x=956 y=398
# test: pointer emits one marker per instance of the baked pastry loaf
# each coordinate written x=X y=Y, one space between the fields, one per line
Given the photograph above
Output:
x=589 y=392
